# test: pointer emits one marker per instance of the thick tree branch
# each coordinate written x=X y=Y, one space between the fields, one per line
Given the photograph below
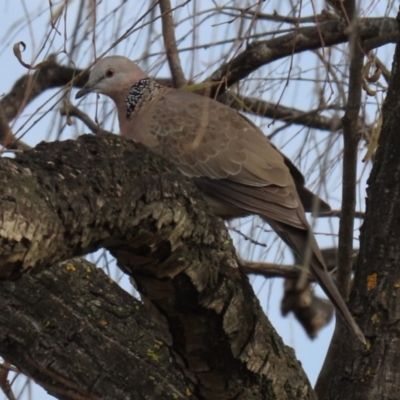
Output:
x=70 y=198
x=80 y=336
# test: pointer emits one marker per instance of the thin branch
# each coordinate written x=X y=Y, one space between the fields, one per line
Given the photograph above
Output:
x=272 y=270
x=261 y=53
x=247 y=238
x=7 y=138
x=290 y=115
x=48 y=77
x=168 y=30
x=338 y=213
x=73 y=111
x=278 y=17
x=291 y=271
x=351 y=138
x=5 y=385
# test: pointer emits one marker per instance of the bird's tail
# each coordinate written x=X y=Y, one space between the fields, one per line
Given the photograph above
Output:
x=303 y=243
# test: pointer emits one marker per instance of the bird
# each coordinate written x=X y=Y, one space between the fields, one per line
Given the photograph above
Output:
x=236 y=167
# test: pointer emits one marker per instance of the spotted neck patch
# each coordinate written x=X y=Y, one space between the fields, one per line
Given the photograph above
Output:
x=141 y=91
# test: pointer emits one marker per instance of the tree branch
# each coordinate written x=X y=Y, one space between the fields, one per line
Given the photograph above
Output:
x=248 y=13
x=72 y=111
x=7 y=138
x=171 y=48
x=28 y=87
x=375 y=299
x=73 y=197
x=290 y=115
x=291 y=271
x=351 y=137
x=80 y=336
x=381 y=30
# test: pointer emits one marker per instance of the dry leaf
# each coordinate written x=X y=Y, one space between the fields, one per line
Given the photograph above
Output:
x=373 y=141
x=18 y=53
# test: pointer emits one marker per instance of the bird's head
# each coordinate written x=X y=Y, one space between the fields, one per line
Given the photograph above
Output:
x=112 y=76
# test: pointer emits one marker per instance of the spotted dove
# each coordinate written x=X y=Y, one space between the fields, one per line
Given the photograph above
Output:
x=232 y=162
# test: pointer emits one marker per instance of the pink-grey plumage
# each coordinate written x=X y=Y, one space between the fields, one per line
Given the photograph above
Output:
x=231 y=161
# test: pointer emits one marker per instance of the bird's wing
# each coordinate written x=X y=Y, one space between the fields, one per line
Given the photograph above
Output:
x=311 y=202
x=270 y=202
x=206 y=139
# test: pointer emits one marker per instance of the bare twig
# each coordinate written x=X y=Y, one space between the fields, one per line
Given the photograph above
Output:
x=277 y=17
x=291 y=271
x=272 y=270
x=245 y=237
x=275 y=111
x=5 y=385
x=168 y=30
x=338 y=213
x=76 y=112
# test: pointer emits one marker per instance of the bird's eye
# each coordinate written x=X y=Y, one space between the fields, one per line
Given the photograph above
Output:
x=110 y=73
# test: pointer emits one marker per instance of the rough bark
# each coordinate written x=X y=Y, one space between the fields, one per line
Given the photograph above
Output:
x=69 y=198
x=80 y=336
x=373 y=373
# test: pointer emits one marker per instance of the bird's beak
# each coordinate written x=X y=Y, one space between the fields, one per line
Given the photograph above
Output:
x=89 y=87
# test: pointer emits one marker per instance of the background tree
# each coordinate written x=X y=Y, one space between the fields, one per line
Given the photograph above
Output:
x=314 y=78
